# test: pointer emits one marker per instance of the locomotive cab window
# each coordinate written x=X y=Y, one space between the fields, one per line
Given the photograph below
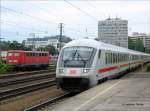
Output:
x=10 y=54
x=77 y=56
x=16 y=54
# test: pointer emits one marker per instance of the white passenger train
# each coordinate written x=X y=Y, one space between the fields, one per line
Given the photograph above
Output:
x=83 y=63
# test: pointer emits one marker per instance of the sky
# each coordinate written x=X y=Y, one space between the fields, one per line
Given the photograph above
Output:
x=23 y=19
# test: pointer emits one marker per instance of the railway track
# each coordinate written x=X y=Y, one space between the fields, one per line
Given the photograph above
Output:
x=12 y=85
x=25 y=78
x=3 y=76
x=48 y=102
x=25 y=89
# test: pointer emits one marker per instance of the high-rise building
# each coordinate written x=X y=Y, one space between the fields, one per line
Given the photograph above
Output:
x=113 y=31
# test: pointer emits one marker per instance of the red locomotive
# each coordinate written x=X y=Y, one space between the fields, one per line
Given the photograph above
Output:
x=27 y=59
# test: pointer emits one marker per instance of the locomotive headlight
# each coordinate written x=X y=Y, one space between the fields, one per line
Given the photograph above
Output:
x=15 y=60
x=9 y=60
x=86 y=70
x=61 y=70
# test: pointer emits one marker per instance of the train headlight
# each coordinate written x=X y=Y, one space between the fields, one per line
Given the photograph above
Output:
x=15 y=60
x=86 y=70
x=9 y=60
x=61 y=70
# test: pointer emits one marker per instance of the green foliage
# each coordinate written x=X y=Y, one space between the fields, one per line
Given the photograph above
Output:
x=147 y=50
x=5 y=68
x=131 y=44
x=14 y=45
x=51 y=49
x=148 y=68
x=137 y=45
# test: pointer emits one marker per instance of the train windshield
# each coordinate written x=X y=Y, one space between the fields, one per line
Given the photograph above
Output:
x=78 y=56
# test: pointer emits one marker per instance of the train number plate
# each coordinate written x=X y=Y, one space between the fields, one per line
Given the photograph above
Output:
x=73 y=72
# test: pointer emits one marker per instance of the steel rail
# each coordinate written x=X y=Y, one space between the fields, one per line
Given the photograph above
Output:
x=25 y=89
x=3 y=76
x=46 y=103
x=25 y=79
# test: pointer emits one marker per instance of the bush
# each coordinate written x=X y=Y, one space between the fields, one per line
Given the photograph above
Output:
x=5 y=68
x=148 y=68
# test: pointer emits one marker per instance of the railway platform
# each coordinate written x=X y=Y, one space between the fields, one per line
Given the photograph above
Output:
x=129 y=93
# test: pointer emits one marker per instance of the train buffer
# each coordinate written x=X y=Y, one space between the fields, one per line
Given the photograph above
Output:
x=129 y=93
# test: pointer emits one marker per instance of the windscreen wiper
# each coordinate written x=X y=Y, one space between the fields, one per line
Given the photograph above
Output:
x=84 y=61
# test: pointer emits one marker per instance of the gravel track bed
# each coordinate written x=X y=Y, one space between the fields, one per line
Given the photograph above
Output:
x=22 y=84
x=6 y=82
x=21 y=102
x=14 y=75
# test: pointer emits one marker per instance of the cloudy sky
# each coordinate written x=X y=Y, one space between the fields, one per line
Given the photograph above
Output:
x=22 y=19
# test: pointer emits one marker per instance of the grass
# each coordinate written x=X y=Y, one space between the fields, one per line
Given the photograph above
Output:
x=5 y=67
x=148 y=68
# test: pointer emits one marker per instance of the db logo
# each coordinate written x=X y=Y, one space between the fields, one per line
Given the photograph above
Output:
x=72 y=72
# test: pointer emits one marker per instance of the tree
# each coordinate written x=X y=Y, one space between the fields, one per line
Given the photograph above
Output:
x=7 y=45
x=147 y=50
x=139 y=46
x=51 y=49
x=131 y=44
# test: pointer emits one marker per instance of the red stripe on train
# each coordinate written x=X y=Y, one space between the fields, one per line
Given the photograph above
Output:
x=124 y=65
x=107 y=69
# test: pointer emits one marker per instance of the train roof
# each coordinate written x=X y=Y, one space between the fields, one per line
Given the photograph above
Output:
x=20 y=51
x=102 y=45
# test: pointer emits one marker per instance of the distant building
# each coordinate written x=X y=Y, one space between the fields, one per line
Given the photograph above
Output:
x=142 y=36
x=45 y=41
x=113 y=31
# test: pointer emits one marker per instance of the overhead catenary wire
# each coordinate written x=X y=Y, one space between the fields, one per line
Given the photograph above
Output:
x=10 y=23
x=79 y=31
x=33 y=17
x=65 y=27
x=28 y=15
x=92 y=17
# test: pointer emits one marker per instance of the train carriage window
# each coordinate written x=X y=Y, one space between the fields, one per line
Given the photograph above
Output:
x=105 y=58
x=33 y=54
x=16 y=54
x=109 y=58
x=37 y=54
x=27 y=54
x=123 y=57
x=114 y=58
x=118 y=57
x=99 y=53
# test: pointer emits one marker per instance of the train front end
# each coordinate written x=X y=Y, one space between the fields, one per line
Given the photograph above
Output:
x=74 y=68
